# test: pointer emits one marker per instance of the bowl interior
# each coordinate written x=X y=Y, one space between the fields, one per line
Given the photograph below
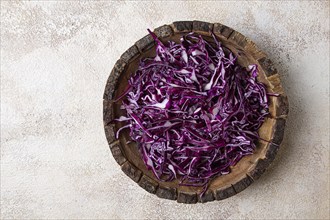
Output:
x=238 y=171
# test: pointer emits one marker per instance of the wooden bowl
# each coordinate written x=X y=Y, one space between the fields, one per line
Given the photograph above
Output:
x=249 y=168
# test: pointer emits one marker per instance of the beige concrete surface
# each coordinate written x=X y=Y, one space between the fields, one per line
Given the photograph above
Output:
x=55 y=59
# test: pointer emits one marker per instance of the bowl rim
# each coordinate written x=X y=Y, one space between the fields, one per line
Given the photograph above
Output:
x=279 y=110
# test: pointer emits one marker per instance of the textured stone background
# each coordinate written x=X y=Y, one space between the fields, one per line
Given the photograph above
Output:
x=55 y=60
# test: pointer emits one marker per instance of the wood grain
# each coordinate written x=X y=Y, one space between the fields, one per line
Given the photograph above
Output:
x=187 y=197
x=202 y=27
x=207 y=197
x=145 y=43
x=222 y=30
x=117 y=153
x=166 y=192
x=130 y=54
x=246 y=171
x=148 y=184
x=182 y=26
x=163 y=31
x=224 y=192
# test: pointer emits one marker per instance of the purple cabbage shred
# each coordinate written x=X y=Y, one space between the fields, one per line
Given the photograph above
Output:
x=193 y=110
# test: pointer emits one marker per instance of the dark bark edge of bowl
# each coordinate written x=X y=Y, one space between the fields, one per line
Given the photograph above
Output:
x=278 y=109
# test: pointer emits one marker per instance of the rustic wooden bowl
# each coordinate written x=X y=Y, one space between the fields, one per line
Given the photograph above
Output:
x=247 y=169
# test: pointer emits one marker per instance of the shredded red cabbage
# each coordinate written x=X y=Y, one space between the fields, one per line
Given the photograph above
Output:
x=193 y=111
